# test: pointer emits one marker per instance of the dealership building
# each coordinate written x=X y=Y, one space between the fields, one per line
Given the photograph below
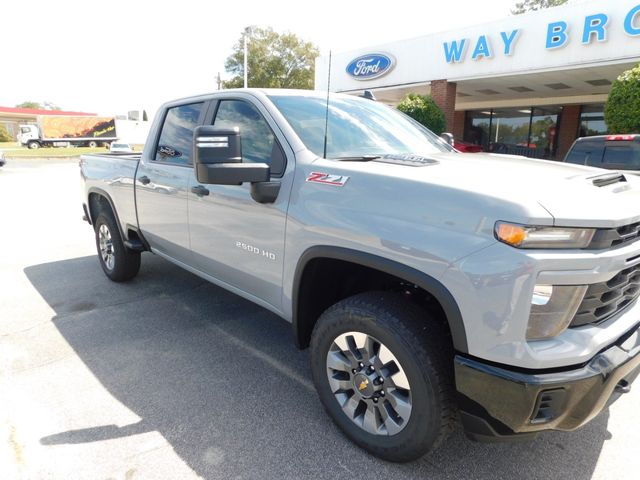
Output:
x=528 y=84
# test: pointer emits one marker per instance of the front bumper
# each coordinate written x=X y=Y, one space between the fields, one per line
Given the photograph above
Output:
x=500 y=404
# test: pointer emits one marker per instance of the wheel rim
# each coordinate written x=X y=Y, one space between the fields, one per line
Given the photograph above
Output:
x=106 y=247
x=369 y=383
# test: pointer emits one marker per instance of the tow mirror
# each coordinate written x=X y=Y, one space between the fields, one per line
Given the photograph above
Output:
x=218 y=158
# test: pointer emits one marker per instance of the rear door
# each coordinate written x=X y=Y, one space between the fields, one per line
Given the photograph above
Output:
x=163 y=179
x=234 y=238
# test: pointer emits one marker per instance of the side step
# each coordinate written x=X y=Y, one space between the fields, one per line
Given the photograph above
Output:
x=135 y=245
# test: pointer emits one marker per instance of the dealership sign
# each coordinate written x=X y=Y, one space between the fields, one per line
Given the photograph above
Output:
x=370 y=66
x=558 y=35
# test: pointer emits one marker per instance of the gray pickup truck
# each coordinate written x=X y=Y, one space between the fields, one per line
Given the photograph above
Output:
x=432 y=287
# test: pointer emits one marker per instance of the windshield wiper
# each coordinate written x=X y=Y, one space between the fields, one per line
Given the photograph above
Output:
x=358 y=158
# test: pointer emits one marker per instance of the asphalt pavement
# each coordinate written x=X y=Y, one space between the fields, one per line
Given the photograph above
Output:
x=170 y=377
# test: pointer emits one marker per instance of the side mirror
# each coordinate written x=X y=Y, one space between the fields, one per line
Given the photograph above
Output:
x=447 y=137
x=217 y=154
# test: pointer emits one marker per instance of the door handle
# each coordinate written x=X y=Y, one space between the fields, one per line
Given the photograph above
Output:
x=144 y=180
x=200 y=191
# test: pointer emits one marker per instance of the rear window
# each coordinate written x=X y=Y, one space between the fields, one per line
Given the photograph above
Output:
x=622 y=155
x=586 y=152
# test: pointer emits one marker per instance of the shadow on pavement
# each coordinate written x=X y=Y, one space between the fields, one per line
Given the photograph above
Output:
x=222 y=381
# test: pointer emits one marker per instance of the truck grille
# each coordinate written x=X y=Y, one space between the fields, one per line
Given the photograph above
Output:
x=615 y=237
x=605 y=299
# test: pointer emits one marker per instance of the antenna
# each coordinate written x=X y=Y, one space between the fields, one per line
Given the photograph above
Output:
x=326 y=118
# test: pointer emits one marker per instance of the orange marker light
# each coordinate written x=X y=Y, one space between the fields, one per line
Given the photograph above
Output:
x=510 y=234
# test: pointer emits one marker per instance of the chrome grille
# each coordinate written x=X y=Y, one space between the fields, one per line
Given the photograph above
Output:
x=605 y=299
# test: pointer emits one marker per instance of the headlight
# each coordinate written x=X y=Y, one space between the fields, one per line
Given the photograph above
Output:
x=552 y=309
x=523 y=236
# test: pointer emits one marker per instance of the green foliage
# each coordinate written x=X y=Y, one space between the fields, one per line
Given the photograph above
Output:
x=39 y=106
x=51 y=106
x=34 y=105
x=275 y=61
x=533 y=5
x=4 y=134
x=622 y=110
x=423 y=109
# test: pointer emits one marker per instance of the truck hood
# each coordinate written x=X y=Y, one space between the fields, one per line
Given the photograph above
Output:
x=573 y=195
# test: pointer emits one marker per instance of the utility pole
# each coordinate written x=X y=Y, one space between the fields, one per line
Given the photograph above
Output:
x=219 y=81
x=247 y=32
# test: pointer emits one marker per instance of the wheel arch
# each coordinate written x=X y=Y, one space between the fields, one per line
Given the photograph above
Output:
x=96 y=199
x=302 y=326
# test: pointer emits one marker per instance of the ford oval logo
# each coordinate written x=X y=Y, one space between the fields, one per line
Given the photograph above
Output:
x=368 y=67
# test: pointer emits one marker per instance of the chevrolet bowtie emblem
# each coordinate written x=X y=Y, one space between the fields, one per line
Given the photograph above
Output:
x=363 y=384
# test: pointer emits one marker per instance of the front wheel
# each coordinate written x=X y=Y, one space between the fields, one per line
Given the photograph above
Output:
x=383 y=369
x=92 y=144
x=33 y=145
x=118 y=263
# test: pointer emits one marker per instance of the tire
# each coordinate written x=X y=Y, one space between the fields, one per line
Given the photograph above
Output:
x=118 y=263
x=92 y=144
x=411 y=343
x=33 y=145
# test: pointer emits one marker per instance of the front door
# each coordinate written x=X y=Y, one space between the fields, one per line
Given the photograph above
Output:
x=234 y=238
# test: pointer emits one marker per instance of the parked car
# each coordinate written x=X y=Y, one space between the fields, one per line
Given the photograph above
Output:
x=2 y=159
x=614 y=152
x=120 y=148
x=466 y=147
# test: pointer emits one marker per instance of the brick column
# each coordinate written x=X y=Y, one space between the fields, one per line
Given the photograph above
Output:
x=568 y=129
x=444 y=94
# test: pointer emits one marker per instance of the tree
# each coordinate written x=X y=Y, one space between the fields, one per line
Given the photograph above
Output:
x=38 y=106
x=275 y=61
x=533 y=5
x=622 y=110
x=51 y=106
x=4 y=134
x=423 y=109
x=34 y=105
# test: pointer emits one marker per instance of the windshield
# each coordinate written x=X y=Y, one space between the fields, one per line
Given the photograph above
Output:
x=120 y=145
x=357 y=127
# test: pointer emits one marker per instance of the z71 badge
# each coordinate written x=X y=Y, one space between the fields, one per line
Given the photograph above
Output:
x=328 y=179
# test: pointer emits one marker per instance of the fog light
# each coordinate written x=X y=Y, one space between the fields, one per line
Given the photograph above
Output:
x=552 y=309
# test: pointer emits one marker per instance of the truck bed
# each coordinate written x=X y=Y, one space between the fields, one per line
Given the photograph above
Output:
x=113 y=174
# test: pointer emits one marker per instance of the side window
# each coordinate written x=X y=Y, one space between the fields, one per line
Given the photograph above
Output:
x=176 y=137
x=258 y=142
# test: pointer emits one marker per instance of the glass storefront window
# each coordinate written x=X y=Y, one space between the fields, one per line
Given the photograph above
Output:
x=592 y=121
x=544 y=131
x=510 y=130
x=532 y=132
x=477 y=128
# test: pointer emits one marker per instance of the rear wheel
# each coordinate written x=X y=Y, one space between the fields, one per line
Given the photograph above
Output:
x=383 y=370
x=118 y=263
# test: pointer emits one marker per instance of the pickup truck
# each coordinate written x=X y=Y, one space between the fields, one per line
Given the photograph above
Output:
x=432 y=287
x=613 y=152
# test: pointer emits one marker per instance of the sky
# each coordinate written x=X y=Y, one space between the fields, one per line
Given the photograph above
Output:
x=112 y=56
